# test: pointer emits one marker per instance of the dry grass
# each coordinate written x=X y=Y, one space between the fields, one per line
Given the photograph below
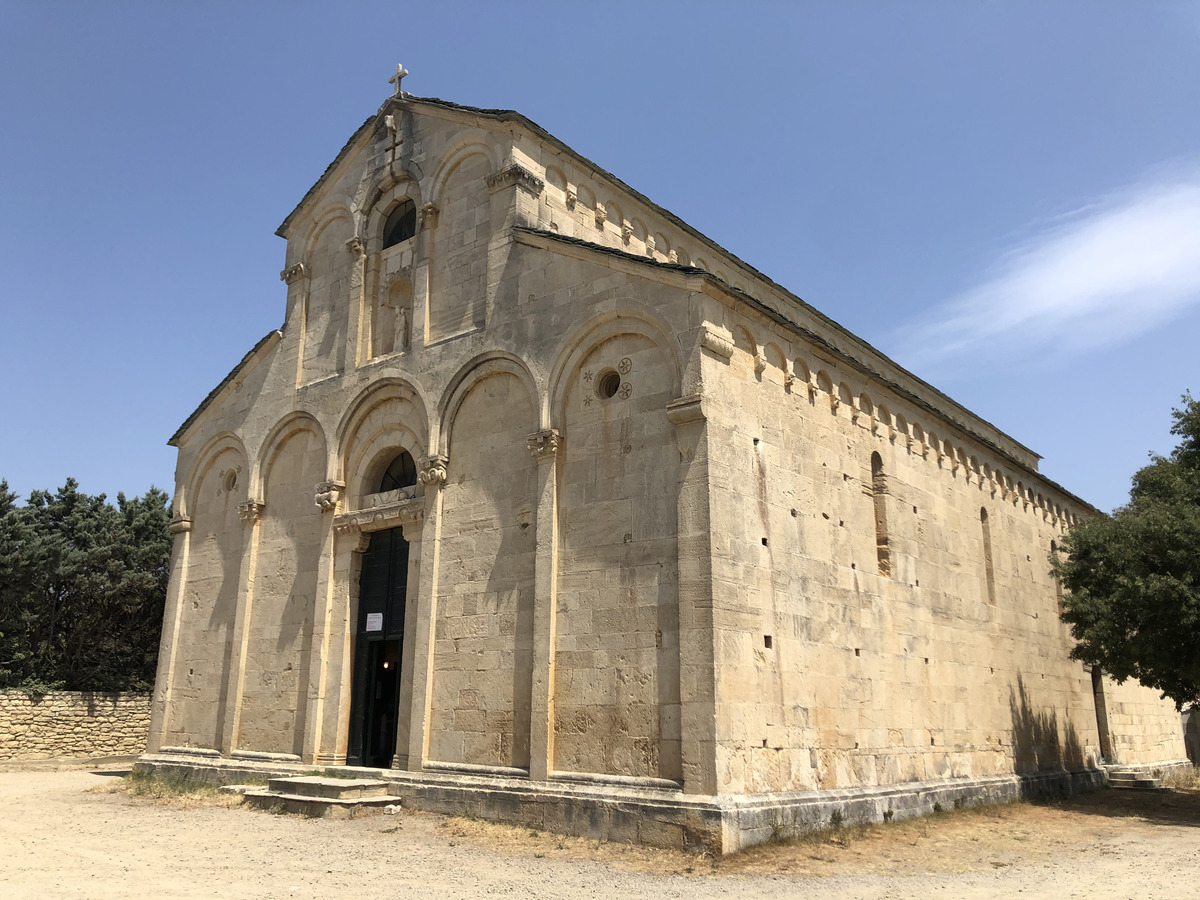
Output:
x=971 y=839
x=1183 y=780
x=177 y=791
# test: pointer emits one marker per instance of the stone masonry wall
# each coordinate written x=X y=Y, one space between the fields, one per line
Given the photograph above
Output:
x=66 y=724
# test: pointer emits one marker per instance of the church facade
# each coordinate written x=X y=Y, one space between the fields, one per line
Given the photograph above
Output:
x=541 y=497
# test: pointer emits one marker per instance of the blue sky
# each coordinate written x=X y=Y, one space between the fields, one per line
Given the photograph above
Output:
x=1004 y=197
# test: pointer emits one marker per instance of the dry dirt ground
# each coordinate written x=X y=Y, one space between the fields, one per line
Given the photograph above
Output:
x=79 y=832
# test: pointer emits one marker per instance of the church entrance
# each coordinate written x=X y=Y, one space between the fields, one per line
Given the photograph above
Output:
x=375 y=705
x=379 y=636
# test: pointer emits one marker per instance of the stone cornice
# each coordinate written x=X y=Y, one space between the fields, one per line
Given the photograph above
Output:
x=716 y=343
x=686 y=410
x=180 y=525
x=514 y=173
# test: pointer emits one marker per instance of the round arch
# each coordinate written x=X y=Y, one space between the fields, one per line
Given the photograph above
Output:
x=627 y=319
x=282 y=430
x=213 y=447
x=485 y=365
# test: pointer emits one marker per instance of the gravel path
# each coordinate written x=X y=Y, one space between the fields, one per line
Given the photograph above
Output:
x=63 y=834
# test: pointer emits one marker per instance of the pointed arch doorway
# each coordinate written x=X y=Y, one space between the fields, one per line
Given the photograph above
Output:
x=379 y=635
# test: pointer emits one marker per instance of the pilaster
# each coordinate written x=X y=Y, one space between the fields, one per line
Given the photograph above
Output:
x=168 y=648
x=326 y=495
x=544 y=445
x=697 y=672
x=432 y=474
x=230 y=717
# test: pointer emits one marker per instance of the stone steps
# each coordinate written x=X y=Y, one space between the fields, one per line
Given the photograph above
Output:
x=317 y=797
x=1133 y=781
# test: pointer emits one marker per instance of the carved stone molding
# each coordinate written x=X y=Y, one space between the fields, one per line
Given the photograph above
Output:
x=180 y=524
x=404 y=272
x=544 y=443
x=673 y=257
x=291 y=273
x=686 y=410
x=328 y=493
x=650 y=246
x=433 y=470
x=391 y=515
x=716 y=343
x=572 y=198
x=251 y=511
x=428 y=214
x=516 y=174
x=357 y=246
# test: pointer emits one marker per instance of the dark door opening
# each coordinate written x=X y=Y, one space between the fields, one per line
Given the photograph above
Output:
x=375 y=693
x=1106 y=752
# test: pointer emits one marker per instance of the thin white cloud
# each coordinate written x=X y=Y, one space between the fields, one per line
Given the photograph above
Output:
x=1097 y=277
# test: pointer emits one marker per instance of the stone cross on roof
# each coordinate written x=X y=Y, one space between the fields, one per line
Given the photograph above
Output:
x=397 y=78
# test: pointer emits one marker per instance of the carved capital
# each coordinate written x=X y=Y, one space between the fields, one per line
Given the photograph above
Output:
x=626 y=231
x=716 y=343
x=428 y=215
x=291 y=273
x=516 y=174
x=760 y=364
x=572 y=198
x=433 y=470
x=673 y=257
x=686 y=410
x=601 y=216
x=650 y=246
x=328 y=493
x=545 y=443
x=180 y=524
x=357 y=246
x=251 y=511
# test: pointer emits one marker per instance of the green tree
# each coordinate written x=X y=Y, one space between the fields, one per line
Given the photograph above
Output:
x=1132 y=580
x=82 y=588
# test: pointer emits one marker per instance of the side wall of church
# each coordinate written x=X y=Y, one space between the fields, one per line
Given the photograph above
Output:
x=1140 y=731
x=885 y=612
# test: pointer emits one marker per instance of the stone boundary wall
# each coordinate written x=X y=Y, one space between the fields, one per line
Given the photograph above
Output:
x=79 y=724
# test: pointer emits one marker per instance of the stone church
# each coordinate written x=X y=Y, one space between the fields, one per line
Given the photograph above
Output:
x=545 y=507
